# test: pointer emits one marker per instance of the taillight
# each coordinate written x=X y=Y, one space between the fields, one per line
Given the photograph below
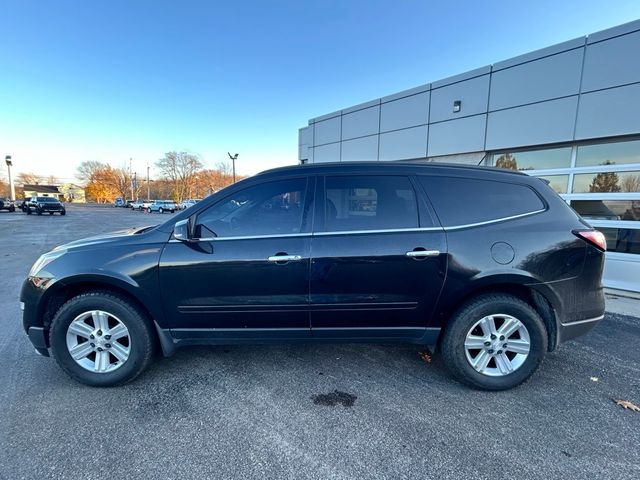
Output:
x=594 y=237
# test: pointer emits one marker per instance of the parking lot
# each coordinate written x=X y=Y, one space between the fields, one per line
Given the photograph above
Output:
x=300 y=411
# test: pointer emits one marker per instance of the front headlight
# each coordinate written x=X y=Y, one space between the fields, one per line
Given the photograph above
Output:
x=45 y=260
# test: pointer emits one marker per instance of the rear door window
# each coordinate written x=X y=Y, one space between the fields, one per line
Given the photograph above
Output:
x=464 y=201
x=369 y=202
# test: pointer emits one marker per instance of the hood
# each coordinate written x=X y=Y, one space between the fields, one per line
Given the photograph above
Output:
x=110 y=237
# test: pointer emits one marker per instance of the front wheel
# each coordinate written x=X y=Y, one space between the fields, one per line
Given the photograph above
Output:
x=63 y=212
x=160 y=210
x=494 y=342
x=101 y=339
x=39 y=211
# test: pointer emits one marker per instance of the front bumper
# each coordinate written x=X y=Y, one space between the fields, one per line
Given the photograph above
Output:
x=569 y=331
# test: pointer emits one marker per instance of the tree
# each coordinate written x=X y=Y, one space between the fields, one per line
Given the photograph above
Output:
x=507 y=161
x=605 y=181
x=180 y=169
x=630 y=183
x=52 y=180
x=88 y=169
x=27 y=178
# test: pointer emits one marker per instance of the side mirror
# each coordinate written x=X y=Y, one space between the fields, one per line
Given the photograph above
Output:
x=181 y=231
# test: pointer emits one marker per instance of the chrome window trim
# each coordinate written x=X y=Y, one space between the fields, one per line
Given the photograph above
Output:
x=364 y=232
x=488 y=222
x=382 y=230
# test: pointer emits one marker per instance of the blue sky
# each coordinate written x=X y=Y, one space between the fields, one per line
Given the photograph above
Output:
x=112 y=80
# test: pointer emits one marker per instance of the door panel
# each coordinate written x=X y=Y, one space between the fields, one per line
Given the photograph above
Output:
x=233 y=285
x=367 y=282
x=250 y=278
x=378 y=262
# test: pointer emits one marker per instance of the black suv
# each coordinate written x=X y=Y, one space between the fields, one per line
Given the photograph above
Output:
x=42 y=205
x=490 y=266
x=7 y=204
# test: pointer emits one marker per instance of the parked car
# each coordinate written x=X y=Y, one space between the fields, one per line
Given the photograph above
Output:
x=42 y=205
x=141 y=204
x=129 y=204
x=119 y=202
x=490 y=265
x=7 y=204
x=162 y=206
x=189 y=203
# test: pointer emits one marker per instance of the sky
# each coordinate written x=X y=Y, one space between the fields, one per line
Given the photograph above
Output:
x=118 y=80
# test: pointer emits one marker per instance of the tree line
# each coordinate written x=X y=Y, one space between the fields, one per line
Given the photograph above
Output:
x=182 y=176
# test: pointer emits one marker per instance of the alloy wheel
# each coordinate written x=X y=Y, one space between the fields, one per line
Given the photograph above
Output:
x=497 y=345
x=98 y=341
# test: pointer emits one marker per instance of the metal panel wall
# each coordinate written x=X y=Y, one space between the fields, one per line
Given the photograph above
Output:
x=471 y=93
x=405 y=112
x=360 y=149
x=545 y=79
x=457 y=136
x=538 y=123
x=361 y=123
x=404 y=144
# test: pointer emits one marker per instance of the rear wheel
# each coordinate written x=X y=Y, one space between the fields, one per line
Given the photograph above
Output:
x=160 y=210
x=494 y=342
x=39 y=211
x=101 y=339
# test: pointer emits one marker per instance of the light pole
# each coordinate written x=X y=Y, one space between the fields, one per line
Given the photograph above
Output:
x=148 y=189
x=13 y=187
x=233 y=162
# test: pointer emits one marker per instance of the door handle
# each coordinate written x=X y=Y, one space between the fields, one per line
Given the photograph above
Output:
x=423 y=253
x=284 y=258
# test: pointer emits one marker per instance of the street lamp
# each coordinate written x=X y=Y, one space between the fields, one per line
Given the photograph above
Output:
x=13 y=187
x=233 y=161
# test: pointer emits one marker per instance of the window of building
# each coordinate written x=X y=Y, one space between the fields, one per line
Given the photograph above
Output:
x=272 y=208
x=622 y=240
x=463 y=201
x=373 y=202
x=559 y=183
x=607 y=182
x=620 y=153
x=534 y=159
x=608 y=209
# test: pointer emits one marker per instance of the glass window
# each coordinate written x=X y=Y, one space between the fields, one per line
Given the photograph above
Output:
x=606 y=182
x=620 y=153
x=369 y=203
x=463 y=201
x=622 y=240
x=608 y=209
x=272 y=208
x=534 y=160
x=558 y=182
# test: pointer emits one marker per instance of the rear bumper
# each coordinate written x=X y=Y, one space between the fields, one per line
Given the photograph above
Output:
x=569 y=331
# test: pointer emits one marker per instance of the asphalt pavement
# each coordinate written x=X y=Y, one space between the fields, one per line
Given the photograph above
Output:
x=304 y=411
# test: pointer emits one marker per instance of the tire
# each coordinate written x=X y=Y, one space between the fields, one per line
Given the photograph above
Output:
x=160 y=210
x=28 y=211
x=139 y=340
x=504 y=307
x=63 y=212
x=12 y=209
x=38 y=211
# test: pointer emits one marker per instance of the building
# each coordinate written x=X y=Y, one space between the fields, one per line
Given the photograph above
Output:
x=569 y=113
x=72 y=193
x=67 y=192
x=42 y=191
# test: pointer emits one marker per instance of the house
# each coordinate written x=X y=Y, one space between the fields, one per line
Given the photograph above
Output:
x=67 y=192
x=43 y=191
x=72 y=193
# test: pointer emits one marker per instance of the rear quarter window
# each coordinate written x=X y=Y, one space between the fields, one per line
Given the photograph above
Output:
x=464 y=201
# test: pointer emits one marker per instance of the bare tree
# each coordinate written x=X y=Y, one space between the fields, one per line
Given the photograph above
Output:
x=87 y=170
x=180 y=169
x=27 y=178
x=630 y=183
